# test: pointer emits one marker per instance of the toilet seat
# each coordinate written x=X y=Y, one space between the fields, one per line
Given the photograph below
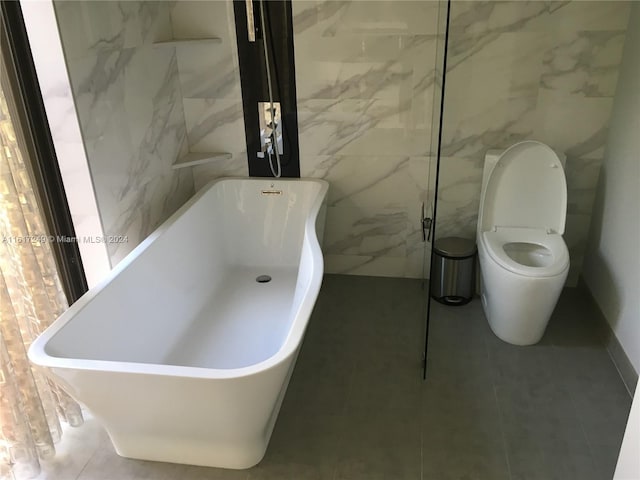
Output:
x=525 y=188
x=496 y=240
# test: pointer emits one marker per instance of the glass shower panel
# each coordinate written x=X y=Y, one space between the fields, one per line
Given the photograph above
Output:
x=436 y=83
x=428 y=213
x=365 y=80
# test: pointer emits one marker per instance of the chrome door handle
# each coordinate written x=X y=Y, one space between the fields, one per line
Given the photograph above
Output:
x=425 y=223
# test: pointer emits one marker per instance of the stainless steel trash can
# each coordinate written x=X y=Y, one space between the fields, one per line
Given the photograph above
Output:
x=453 y=272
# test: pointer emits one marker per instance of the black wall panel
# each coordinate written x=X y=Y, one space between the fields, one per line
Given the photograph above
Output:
x=253 y=79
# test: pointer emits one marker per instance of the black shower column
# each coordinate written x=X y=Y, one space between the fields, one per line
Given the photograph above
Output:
x=253 y=79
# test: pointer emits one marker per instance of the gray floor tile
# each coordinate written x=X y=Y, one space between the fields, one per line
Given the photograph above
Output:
x=107 y=465
x=382 y=446
x=190 y=472
x=308 y=438
x=284 y=468
x=458 y=417
x=541 y=417
x=464 y=464
x=574 y=321
x=393 y=463
x=460 y=329
x=511 y=365
x=447 y=366
x=532 y=464
x=603 y=421
x=395 y=384
x=324 y=389
x=302 y=447
x=582 y=365
x=604 y=461
x=74 y=451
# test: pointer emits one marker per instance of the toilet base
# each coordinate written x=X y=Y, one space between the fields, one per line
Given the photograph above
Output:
x=518 y=308
x=515 y=339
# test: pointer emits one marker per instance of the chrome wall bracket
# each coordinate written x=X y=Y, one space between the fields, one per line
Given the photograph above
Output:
x=251 y=27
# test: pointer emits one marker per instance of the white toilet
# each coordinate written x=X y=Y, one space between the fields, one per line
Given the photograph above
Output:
x=523 y=258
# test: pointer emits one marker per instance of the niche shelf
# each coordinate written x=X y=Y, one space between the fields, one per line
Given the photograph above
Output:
x=193 y=159
x=187 y=41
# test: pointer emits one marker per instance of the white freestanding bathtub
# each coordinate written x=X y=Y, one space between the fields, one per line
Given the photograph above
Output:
x=180 y=353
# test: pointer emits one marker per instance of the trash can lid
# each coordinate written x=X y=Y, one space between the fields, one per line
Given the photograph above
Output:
x=455 y=247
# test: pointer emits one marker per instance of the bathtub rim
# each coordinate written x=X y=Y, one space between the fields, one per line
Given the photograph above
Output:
x=38 y=355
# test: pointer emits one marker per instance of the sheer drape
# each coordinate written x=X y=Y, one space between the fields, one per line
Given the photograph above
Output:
x=31 y=297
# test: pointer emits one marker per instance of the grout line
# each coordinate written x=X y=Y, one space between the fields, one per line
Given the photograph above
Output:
x=84 y=467
x=606 y=335
x=584 y=433
x=421 y=416
x=502 y=434
x=341 y=437
x=500 y=414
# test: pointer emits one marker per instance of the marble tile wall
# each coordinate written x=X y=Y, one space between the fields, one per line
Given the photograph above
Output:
x=210 y=83
x=528 y=70
x=128 y=97
x=55 y=87
x=365 y=73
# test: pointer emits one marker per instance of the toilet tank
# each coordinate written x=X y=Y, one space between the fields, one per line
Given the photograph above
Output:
x=490 y=160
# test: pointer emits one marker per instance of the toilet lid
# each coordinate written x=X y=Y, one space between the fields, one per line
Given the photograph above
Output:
x=527 y=188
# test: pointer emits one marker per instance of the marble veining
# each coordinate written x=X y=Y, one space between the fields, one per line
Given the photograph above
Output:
x=341 y=197
x=375 y=235
x=471 y=128
x=528 y=70
x=129 y=103
x=357 y=127
x=582 y=180
x=57 y=96
x=163 y=133
x=557 y=124
x=90 y=28
x=584 y=63
x=208 y=71
x=210 y=86
x=366 y=17
x=377 y=67
x=366 y=79
x=365 y=181
x=210 y=117
x=459 y=191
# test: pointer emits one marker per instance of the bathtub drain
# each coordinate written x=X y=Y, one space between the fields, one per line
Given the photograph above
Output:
x=263 y=278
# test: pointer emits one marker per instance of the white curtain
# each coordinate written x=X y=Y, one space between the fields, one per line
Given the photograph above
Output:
x=31 y=298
